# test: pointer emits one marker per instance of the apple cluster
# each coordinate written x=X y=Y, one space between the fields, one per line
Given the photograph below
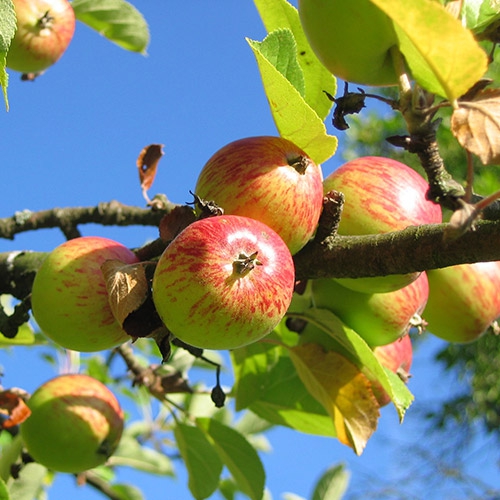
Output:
x=44 y=31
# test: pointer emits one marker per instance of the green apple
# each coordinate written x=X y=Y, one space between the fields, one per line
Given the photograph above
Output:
x=381 y=195
x=463 y=300
x=352 y=38
x=380 y=318
x=269 y=179
x=75 y=424
x=44 y=31
x=69 y=298
x=224 y=282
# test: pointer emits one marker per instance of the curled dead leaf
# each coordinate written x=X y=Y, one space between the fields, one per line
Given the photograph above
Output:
x=476 y=125
x=12 y=404
x=127 y=287
x=147 y=164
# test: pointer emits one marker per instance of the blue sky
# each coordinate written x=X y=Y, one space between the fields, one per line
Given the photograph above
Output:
x=71 y=138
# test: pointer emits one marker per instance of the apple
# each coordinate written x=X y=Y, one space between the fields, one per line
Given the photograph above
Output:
x=44 y=31
x=224 y=282
x=379 y=318
x=75 y=424
x=381 y=195
x=397 y=357
x=352 y=39
x=269 y=179
x=69 y=298
x=463 y=300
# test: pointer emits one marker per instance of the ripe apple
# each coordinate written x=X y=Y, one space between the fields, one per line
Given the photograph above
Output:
x=75 y=424
x=44 y=30
x=381 y=195
x=397 y=357
x=269 y=179
x=224 y=282
x=463 y=300
x=69 y=297
x=380 y=318
x=352 y=39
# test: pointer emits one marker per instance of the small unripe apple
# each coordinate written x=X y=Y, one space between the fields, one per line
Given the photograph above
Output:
x=380 y=318
x=75 y=424
x=44 y=31
x=269 y=179
x=352 y=38
x=69 y=298
x=397 y=357
x=224 y=282
x=381 y=195
x=463 y=300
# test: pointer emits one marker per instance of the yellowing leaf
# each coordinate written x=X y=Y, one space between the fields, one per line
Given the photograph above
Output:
x=294 y=118
x=127 y=287
x=476 y=125
x=443 y=56
x=342 y=389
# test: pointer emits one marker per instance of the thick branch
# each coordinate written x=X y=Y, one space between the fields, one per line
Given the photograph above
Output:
x=416 y=248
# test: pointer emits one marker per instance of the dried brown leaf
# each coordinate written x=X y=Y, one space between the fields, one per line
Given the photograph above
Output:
x=147 y=164
x=127 y=287
x=476 y=125
x=175 y=221
x=13 y=405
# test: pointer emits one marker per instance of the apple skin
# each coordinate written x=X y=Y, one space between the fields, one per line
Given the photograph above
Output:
x=463 y=300
x=379 y=318
x=75 y=424
x=381 y=195
x=269 y=179
x=351 y=38
x=397 y=357
x=44 y=31
x=69 y=298
x=205 y=301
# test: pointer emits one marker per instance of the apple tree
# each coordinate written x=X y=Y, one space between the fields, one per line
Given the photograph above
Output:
x=293 y=282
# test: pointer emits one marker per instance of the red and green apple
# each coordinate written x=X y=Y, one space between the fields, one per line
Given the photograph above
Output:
x=44 y=31
x=269 y=179
x=69 y=298
x=381 y=195
x=224 y=282
x=463 y=300
x=75 y=424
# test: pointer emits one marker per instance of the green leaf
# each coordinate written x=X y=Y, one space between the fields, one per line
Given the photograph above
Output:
x=332 y=484
x=354 y=348
x=480 y=14
x=237 y=455
x=131 y=454
x=10 y=452
x=267 y=383
x=200 y=458
x=117 y=20
x=25 y=336
x=276 y=14
x=4 y=492
x=280 y=49
x=442 y=55
x=294 y=118
x=8 y=26
x=29 y=483
x=127 y=492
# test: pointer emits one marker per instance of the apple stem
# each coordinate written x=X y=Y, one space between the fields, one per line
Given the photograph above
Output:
x=244 y=264
x=299 y=163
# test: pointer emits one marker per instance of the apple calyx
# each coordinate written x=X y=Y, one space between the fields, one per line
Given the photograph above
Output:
x=46 y=21
x=403 y=374
x=299 y=163
x=244 y=264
